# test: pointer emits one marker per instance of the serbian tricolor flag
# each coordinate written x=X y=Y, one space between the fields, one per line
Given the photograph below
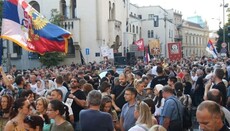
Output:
x=147 y=57
x=211 y=49
x=26 y=27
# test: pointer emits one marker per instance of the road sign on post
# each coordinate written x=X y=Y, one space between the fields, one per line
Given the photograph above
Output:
x=86 y=51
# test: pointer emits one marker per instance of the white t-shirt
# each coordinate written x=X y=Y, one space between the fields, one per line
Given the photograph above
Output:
x=139 y=127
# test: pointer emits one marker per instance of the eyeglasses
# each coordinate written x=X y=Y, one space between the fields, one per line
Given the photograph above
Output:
x=73 y=81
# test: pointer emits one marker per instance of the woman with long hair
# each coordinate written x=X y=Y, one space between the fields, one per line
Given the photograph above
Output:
x=6 y=104
x=144 y=117
x=19 y=111
x=41 y=108
x=33 y=123
x=187 y=82
x=158 y=100
x=56 y=110
x=106 y=106
x=185 y=99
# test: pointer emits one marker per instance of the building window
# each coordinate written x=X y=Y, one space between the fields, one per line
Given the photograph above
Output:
x=97 y=54
x=149 y=35
x=35 y=5
x=73 y=8
x=17 y=49
x=137 y=29
x=151 y=16
x=152 y=34
x=63 y=8
x=140 y=16
x=71 y=49
x=133 y=29
x=130 y=29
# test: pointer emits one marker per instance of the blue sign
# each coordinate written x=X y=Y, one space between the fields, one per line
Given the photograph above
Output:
x=87 y=51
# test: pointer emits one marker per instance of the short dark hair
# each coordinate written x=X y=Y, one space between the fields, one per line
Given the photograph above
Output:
x=159 y=69
x=18 y=79
x=173 y=79
x=59 y=79
x=105 y=85
x=132 y=90
x=34 y=121
x=219 y=73
x=58 y=91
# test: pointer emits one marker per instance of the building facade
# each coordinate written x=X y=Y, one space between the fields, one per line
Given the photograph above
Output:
x=115 y=24
x=195 y=39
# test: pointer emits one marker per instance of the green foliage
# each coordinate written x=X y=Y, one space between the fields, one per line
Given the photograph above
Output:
x=53 y=58
x=56 y=17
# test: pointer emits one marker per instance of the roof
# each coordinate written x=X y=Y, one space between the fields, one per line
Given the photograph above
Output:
x=193 y=24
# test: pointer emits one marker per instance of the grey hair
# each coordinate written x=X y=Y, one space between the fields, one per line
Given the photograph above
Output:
x=94 y=98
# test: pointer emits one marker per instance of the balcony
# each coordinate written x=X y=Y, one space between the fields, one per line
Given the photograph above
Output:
x=73 y=26
x=178 y=37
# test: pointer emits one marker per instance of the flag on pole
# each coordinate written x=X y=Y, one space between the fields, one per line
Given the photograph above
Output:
x=211 y=49
x=23 y=25
x=147 y=57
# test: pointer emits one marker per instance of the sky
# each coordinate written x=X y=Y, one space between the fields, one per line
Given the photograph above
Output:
x=209 y=10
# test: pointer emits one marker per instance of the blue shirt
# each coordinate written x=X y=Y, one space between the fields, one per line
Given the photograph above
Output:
x=171 y=109
x=127 y=114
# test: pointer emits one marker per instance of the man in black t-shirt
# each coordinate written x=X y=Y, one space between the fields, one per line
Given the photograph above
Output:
x=118 y=93
x=219 y=84
x=78 y=98
x=160 y=79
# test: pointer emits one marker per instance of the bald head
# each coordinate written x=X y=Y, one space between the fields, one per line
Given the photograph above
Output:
x=214 y=95
x=211 y=106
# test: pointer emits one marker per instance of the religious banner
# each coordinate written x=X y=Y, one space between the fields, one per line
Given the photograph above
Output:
x=154 y=47
x=140 y=45
x=174 y=51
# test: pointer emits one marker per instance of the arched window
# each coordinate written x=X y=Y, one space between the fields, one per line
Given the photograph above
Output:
x=133 y=29
x=130 y=28
x=71 y=48
x=63 y=8
x=113 y=11
x=35 y=5
x=137 y=29
x=110 y=10
x=73 y=8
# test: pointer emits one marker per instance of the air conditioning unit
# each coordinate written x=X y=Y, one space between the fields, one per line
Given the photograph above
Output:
x=14 y=55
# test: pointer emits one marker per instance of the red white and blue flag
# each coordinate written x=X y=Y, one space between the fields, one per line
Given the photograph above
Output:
x=23 y=25
x=211 y=49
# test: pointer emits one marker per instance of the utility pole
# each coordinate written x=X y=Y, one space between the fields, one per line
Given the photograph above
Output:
x=223 y=21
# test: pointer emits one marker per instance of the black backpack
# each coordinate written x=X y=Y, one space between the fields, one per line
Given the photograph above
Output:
x=187 y=115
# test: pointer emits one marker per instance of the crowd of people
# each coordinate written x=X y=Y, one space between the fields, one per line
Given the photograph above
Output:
x=146 y=97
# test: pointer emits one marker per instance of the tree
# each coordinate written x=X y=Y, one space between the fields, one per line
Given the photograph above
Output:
x=53 y=58
x=220 y=33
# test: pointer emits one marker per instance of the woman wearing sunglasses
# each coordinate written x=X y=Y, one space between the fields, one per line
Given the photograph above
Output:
x=33 y=123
